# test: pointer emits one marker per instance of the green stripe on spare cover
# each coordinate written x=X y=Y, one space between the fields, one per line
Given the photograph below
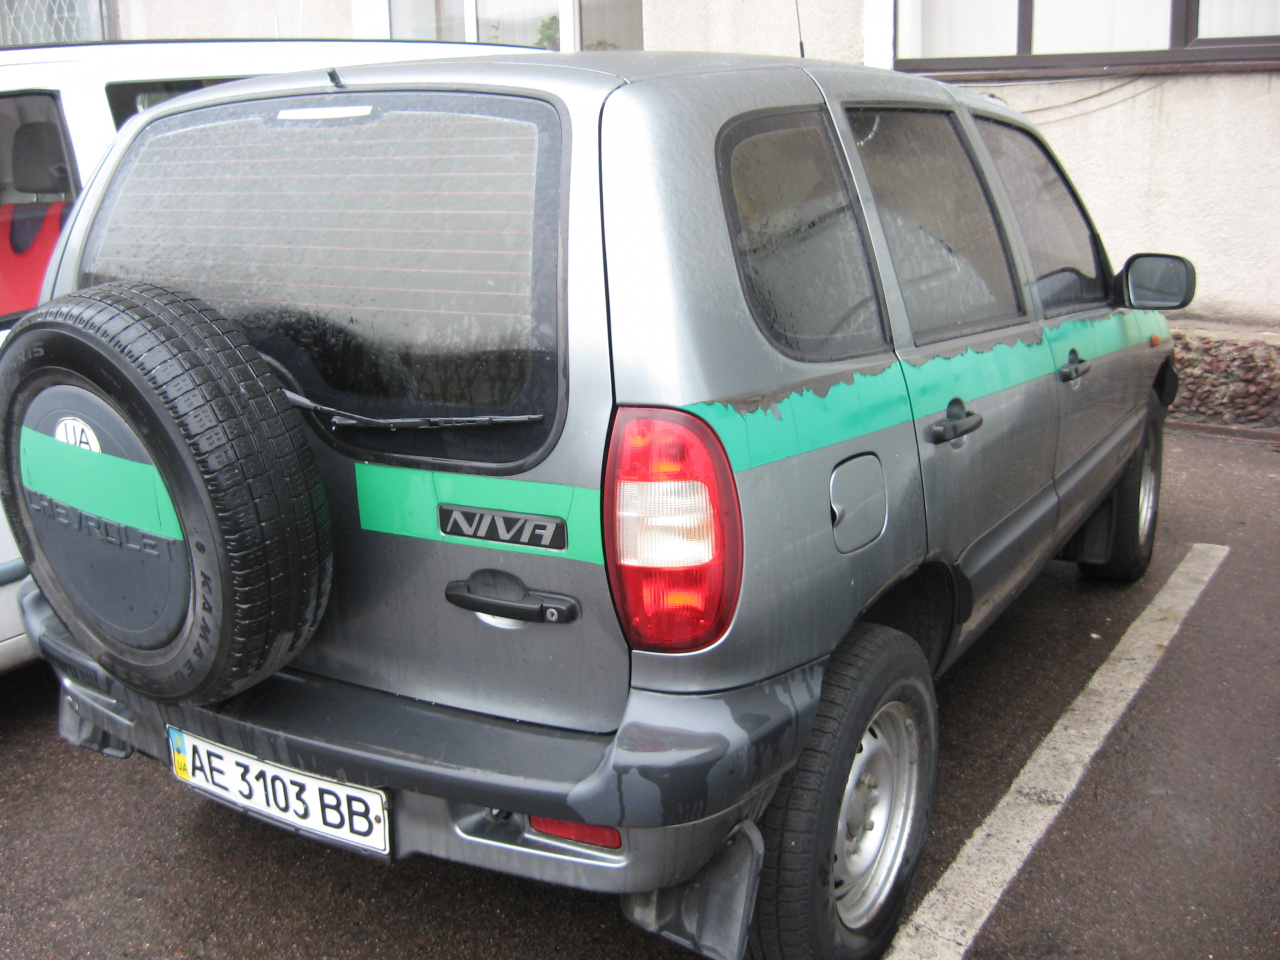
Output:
x=806 y=421
x=404 y=500
x=122 y=491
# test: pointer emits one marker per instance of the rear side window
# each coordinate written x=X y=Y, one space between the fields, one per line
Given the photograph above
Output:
x=947 y=250
x=1064 y=250
x=797 y=237
x=396 y=254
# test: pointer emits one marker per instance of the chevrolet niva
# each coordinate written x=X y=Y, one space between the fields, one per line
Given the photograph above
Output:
x=577 y=466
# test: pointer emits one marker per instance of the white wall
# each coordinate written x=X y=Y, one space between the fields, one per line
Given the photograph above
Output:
x=224 y=19
x=1183 y=164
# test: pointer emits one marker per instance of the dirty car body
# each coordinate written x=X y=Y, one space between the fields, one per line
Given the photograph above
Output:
x=730 y=242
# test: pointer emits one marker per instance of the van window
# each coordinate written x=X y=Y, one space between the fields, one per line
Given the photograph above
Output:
x=797 y=237
x=37 y=185
x=951 y=261
x=1065 y=252
x=126 y=99
x=395 y=253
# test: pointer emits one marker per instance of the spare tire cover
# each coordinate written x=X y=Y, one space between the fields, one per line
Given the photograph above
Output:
x=162 y=490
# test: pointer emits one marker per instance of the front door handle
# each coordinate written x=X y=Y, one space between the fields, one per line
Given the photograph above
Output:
x=500 y=594
x=956 y=423
x=1074 y=368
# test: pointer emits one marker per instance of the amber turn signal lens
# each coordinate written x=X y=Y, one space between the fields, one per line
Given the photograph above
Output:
x=1155 y=340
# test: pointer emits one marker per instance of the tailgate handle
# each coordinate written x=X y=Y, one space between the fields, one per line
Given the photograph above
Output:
x=500 y=594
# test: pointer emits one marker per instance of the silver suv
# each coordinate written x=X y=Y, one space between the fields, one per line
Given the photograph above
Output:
x=578 y=466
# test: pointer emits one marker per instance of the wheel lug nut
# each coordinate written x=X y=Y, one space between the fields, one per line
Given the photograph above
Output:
x=873 y=782
x=870 y=825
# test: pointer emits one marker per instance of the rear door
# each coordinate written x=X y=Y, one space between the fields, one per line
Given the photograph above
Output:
x=979 y=375
x=399 y=256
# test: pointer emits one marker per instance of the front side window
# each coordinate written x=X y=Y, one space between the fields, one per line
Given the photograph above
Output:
x=947 y=250
x=798 y=241
x=37 y=185
x=396 y=254
x=1064 y=255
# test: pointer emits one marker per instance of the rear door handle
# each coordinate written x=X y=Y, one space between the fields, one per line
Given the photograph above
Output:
x=1074 y=368
x=956 y=423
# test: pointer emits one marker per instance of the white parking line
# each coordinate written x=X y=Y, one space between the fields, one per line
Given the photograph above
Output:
x=952 y=914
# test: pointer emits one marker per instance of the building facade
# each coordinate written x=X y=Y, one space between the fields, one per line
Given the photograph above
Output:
x=1165 y=112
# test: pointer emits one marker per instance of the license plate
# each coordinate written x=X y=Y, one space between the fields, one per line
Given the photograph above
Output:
x=356 y=816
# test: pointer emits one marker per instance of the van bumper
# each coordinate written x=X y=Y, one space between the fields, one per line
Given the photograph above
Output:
x=679 y=774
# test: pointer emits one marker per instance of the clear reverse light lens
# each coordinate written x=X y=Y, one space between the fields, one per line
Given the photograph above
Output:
x=665 y=524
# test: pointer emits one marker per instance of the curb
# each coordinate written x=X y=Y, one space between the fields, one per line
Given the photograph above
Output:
x=1251 y=434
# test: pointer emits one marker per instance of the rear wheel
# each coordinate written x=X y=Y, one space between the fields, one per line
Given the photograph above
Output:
x=844 y=832
x=1137 y=506
x=162 y=490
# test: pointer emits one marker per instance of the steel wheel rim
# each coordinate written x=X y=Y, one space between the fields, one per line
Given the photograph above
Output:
x=1147 y=495
x=876 y=815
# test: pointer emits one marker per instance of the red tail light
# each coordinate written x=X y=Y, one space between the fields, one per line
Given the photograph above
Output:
x=607 y=837
x=672 y=530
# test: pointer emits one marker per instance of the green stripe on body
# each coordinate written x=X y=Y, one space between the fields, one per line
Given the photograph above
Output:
x=405 y=501
x=805 y=421
x=122 y=491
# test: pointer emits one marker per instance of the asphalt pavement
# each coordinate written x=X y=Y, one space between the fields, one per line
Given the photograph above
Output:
x=1170 y=847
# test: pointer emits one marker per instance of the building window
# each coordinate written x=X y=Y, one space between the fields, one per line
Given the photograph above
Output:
x=549 y=24
x=992 y=38
x=54 y=21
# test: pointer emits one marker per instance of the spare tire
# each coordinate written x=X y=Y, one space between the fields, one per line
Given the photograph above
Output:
x=162 y=490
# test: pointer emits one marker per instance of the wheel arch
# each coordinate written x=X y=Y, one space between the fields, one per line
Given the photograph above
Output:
x=927 y=604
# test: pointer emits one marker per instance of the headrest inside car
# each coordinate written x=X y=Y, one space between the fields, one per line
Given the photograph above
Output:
x=39 y=165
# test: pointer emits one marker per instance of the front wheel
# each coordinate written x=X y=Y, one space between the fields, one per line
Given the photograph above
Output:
x=1137 y=506
x=844 y=832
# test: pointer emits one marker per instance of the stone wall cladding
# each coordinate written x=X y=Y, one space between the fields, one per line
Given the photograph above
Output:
x=1226 y=381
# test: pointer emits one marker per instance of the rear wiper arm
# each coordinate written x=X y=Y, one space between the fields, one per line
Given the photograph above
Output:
x=340 y=418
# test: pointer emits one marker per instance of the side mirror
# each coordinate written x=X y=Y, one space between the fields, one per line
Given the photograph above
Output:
x=1157 y=281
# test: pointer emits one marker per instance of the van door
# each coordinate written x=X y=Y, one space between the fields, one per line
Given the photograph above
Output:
x=980 y=375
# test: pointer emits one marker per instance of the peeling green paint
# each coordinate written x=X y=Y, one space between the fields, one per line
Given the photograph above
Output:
x=404 y=501
x=806 y=421
x=1097 y=338
x=113 y=488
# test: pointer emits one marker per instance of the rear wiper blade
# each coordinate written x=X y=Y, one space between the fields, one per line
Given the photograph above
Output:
x=341 y=418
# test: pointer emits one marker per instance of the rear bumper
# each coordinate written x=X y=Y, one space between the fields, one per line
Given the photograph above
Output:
x=679 y=774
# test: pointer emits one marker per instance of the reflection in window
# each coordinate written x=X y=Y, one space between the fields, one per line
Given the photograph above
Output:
x=1239 y=18
x=957 y=28
x=1099 y=26
x=526 y=23
x=798 y=240
x=946 y=249
x=612 y=25
x=1056 y=233
x=428 y=20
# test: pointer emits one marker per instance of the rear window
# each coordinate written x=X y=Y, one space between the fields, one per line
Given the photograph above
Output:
x=396 y=254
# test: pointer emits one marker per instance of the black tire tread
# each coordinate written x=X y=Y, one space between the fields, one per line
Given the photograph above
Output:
x=782 y=928
x=251 y=449
x=1129 y=557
